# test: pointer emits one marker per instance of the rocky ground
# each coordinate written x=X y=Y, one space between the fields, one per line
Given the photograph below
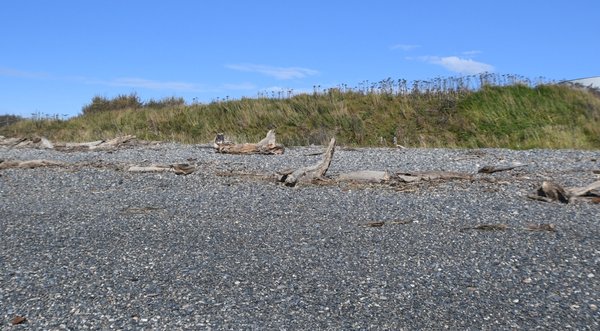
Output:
x=89 y=245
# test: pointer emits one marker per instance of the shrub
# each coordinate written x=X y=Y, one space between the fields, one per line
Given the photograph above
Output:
x=6 y=120
x=120 y=102
x=170 y=102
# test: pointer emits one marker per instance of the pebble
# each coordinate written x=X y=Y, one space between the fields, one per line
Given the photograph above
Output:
x=104 y=242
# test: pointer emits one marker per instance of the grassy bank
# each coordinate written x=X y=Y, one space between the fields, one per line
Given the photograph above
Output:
x=511 y=116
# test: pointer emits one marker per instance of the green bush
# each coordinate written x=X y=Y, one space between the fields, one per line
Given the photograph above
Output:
x=170 y=102
x=120 y=102
x=6 y=120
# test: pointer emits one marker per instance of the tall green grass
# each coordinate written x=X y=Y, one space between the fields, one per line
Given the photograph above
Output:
x=548 y=116
x=429 y=114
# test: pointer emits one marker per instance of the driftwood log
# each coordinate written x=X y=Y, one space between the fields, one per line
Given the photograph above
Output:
x=25 y=142
x=382 y=177
x=551 y=191
x=311 y=173
x=317 y=172
x=101 y=144
x=43 y=143
x=178 y=168
x=365 y=176
x=409 y=177
x=29 y=164
x=267 y=145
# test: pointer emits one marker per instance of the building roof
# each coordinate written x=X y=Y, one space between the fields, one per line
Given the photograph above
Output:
x=591 y=82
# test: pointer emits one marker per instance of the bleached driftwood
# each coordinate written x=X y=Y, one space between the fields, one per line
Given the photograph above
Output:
x=267 y=145
x=29 y=164
x=551 y=191
x=314 y=172
x=317 y=172
x=381 y=177
x=45 y=143
x=113 y=143
x=87 y=145
x=179 y=168
x=592 y=190
x=25 y=142
x=41 y=142
x=365 y=176
x=9 y=141
x=409 y=177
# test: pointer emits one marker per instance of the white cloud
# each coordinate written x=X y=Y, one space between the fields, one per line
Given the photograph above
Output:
x=282 y=73
x=152 y=84
x=459 y=65
x=405 y=47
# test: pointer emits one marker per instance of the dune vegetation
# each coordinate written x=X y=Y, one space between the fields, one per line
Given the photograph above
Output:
x=486 y=110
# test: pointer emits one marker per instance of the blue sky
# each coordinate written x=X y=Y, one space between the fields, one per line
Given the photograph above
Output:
x=56 y=55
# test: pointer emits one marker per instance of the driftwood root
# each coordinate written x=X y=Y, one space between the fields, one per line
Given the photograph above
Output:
x=550 y=191
x=311 y=173
x=267 y=146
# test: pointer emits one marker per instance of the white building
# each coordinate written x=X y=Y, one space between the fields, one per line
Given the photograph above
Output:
x=590 y=82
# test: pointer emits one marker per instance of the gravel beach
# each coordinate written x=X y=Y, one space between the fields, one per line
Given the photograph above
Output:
x=97 y=247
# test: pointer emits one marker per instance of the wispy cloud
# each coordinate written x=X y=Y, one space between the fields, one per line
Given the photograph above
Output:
x=282 y=73
x=405 y=47
x=123 y=82
x=459 y=65
x=9 y=72
x=473 y=52
x=239 y=86
x=150 y=84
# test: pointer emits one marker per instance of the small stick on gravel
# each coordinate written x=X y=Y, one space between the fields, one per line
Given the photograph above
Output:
x=382 y=223
x=373 y=224
x=487 y=227
x=493 y=169
x=18 y=320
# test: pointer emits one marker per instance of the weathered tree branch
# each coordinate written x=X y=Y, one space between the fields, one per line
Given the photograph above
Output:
x=316 y=171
